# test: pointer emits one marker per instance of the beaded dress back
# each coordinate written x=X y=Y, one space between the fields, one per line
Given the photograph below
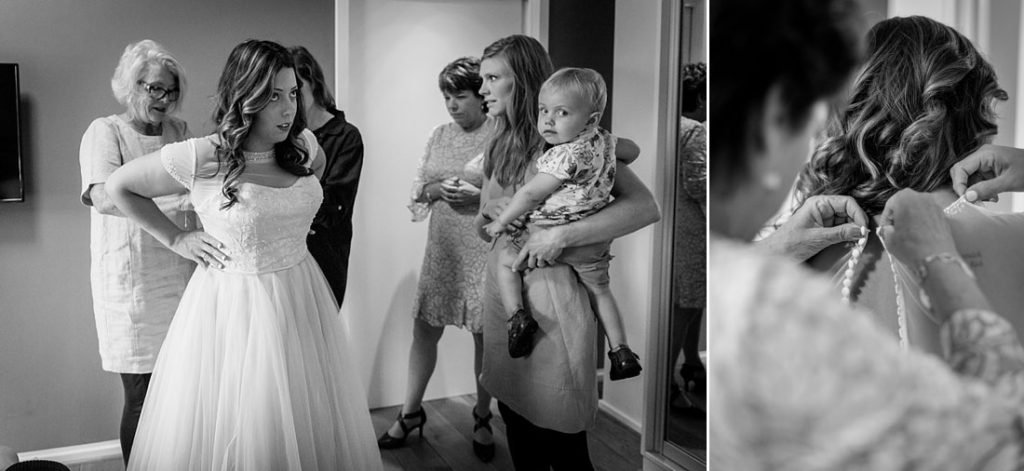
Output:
x=903 y=281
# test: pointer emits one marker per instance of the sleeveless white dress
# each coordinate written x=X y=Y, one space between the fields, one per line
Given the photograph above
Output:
x=254 y=373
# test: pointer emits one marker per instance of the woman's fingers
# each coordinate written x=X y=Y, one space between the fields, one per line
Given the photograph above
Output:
x=213 y=246
x=201 y=248
x=834 y=210
x=1000 y=167
x=447 y=192
x=519 y=223
x=541 y=249
x=524 y=260
x=212 y=257
x=913 y=227
x=854 y=212
x=961 y=172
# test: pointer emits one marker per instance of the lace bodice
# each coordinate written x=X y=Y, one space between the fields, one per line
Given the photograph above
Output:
x=266 y=229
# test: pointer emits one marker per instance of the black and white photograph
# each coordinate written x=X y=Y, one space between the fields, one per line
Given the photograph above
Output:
x=865 y=268
x=355 y=235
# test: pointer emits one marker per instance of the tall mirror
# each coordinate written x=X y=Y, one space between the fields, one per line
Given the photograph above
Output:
x=685 y=420
x=676 y=429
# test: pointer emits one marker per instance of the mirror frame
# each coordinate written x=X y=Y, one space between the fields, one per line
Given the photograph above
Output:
x=657 y=452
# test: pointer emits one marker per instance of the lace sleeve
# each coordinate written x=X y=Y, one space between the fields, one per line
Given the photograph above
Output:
x=804 y=382
x=693 y=150
x=983 y=345
x=421 y=209
x=179 y=159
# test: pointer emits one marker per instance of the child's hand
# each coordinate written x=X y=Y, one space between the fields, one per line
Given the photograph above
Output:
x=495 y=228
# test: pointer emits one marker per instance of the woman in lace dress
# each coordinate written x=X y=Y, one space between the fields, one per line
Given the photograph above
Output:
x=255 y=372
x=689 y=241
x=799 y=380
x=945 y=90
x=447 y=190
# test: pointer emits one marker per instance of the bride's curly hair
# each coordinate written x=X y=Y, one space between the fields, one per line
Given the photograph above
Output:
x=922 y=102
x=244 y=89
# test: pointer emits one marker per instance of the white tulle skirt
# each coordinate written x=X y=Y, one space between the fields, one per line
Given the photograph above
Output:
x=254 y=375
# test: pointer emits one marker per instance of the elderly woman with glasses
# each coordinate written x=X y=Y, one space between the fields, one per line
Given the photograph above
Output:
x=136 y=281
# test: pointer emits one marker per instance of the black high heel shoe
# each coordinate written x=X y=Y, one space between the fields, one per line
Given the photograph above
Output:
x=387 y=442
x=693 y=390
x=484 y=451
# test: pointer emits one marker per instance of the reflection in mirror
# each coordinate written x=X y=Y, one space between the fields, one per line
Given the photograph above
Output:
x=685 y=419
x=687 y=386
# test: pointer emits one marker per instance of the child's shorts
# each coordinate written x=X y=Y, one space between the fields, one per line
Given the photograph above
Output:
x=590 y=262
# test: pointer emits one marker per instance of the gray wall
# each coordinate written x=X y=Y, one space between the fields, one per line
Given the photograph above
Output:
x=875 y=10
x=52 y=390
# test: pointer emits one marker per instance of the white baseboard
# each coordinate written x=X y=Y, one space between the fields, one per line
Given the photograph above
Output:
x=619 y=415
x=77 y=454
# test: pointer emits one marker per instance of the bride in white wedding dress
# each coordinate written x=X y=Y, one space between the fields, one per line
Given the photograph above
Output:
x=254 y=373
x=922 y=102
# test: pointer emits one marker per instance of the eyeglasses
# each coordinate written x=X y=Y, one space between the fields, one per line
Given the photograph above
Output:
x=158 y=93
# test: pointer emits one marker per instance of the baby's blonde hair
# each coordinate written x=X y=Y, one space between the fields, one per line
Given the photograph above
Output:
x=586 y=82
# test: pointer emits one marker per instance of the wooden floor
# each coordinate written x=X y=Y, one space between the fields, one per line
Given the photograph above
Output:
x=447 y=442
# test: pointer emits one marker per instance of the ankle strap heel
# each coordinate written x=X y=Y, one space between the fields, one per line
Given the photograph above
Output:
x=388 y=442
x=483 y=451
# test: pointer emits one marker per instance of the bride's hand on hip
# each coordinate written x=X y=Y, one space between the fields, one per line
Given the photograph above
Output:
x=914 y=227
x=199 y=247
x=822 y=221
x=988 y=171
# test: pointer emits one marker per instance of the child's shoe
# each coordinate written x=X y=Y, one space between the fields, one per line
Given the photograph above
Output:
x=625 y=363
x=521 y=327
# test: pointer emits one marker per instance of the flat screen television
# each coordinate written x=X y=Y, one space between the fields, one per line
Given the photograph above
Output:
x=12 y=185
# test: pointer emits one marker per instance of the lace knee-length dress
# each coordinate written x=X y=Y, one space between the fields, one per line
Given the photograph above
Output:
x=450 y=287
x=255 y=372
x=689 y=265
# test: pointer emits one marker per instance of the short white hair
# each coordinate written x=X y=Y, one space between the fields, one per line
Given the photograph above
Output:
x=135 y=61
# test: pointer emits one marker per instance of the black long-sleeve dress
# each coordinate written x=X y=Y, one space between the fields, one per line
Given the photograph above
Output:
x=330 y=237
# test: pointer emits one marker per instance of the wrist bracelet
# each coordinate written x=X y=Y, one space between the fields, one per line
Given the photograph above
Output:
x=942 y=257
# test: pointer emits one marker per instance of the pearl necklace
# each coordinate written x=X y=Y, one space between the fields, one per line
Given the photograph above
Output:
x=258 y=156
